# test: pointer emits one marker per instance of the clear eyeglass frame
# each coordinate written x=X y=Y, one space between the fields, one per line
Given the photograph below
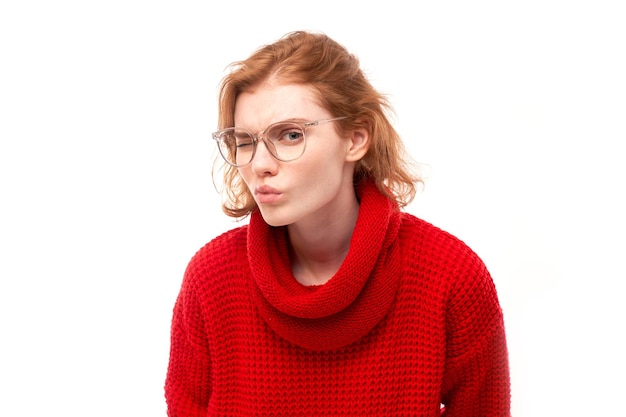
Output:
x=227 y=146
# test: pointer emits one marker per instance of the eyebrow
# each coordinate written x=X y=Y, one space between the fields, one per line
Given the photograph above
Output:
x=292 y=119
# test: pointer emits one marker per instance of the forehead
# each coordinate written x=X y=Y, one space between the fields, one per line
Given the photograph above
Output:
x=270 y=102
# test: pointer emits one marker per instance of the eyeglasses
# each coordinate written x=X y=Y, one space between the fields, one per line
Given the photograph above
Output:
x=286 y=141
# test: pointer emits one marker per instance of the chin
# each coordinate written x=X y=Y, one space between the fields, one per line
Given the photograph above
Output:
x=275 y=219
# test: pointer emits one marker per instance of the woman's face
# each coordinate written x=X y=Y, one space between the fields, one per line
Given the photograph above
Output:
x=310 y=189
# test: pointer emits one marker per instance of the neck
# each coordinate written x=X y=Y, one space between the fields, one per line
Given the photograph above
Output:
x=318 y=249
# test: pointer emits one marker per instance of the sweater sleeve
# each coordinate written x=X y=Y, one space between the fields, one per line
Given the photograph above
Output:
x=188 y=381
x=476 y=380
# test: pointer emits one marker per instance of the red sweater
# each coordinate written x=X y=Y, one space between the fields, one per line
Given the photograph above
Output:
x=409 y=322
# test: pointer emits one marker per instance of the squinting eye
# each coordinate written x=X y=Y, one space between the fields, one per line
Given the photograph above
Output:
x=242 y=141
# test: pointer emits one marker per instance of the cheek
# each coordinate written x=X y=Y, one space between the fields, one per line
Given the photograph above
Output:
x=322 y=175
x=329 y=153
x=245 y=174
x=323 y=167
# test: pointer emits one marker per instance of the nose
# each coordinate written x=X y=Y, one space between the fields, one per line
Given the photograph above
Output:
x=264 y=162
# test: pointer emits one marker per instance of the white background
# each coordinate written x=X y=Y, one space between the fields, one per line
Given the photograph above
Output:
x=517 y=109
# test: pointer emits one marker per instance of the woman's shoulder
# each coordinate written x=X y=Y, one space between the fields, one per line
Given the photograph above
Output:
x=214 y=276
x=226 y=241
x=430 y=244
x=222 y=252
x=428 y=233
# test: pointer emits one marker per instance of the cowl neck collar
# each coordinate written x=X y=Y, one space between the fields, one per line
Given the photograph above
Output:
x=352 y=302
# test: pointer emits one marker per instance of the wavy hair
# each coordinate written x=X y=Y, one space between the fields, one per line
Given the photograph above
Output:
x=342 y=88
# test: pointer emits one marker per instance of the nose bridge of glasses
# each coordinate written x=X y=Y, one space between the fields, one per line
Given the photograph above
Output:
x=267 y=141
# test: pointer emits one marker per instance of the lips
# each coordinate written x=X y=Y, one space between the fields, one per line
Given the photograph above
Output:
x=264 y=194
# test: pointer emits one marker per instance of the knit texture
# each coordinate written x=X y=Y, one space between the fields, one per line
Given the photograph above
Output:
x=409 y=322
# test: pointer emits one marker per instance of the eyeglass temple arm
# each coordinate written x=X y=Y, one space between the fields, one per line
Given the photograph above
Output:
x=322 y=121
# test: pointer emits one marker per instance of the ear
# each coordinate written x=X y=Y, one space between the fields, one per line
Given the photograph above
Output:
x=358 y=144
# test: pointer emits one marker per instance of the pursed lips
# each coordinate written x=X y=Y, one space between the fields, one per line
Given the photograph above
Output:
x=265 y=194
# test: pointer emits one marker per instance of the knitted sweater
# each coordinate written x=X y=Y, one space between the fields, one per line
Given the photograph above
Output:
x=410 y=321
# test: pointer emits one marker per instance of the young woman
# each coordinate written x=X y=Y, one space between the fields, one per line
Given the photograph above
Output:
x=332 y=300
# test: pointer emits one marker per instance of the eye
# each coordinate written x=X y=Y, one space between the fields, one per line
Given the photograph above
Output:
x=293 y=135
x=287 y=134
x=242 y=140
